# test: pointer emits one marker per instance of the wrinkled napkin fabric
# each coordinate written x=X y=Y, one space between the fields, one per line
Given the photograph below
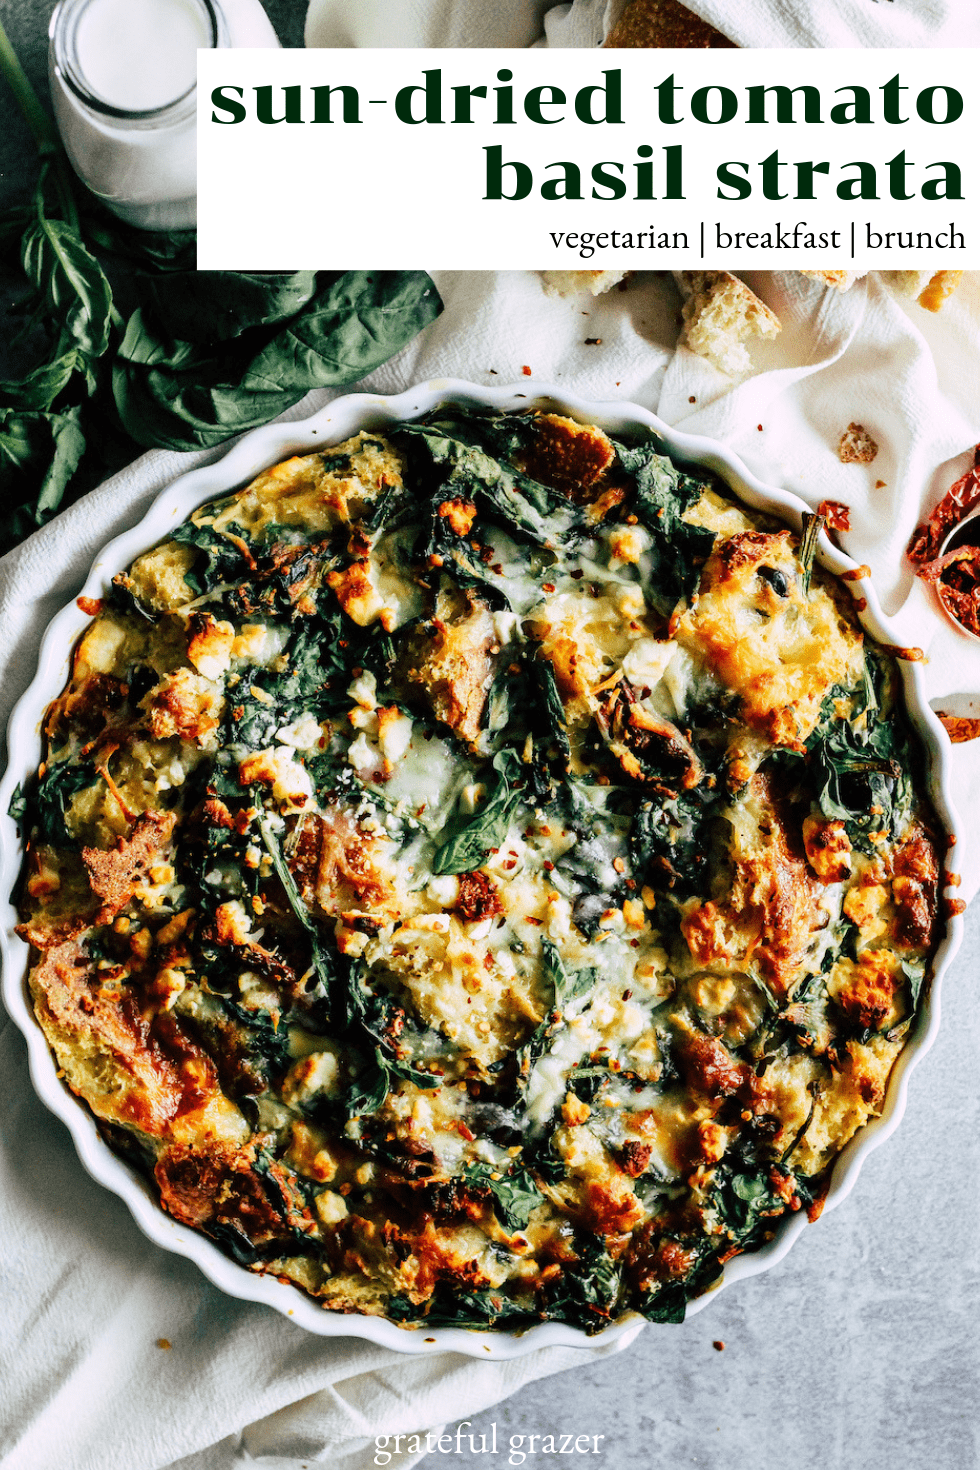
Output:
x=758 y=23
x=86 y=1298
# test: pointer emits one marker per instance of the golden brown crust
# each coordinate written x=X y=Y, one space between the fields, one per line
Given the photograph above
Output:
x=115 y=875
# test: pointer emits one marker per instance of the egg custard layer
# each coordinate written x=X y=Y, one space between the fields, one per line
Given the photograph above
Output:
x=481 y=873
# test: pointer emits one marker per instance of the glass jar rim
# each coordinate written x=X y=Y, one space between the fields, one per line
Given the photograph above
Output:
x=61 y=33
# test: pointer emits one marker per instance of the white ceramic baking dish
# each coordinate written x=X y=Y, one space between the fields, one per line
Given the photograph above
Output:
x=256 y=451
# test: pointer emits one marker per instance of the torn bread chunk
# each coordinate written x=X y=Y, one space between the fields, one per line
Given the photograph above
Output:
x=720 y=314
x=856 y=445
x=573 y=283
x=930 y=288
x=841 y=280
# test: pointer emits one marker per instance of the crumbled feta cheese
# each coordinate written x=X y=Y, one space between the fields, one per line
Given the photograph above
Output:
x=304 y=733
x=364 y=690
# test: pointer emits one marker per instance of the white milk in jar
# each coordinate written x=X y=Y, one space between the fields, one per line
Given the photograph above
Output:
x=123 y=83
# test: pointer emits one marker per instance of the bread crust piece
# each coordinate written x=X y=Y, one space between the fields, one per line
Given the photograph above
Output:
x=571 y=283
x=840 y=280
x=720 y=314
x=930 y=288
x=663 y=23
x=856 y=446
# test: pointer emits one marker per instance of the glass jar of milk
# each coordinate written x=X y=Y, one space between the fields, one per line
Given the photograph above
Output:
x=124 y=83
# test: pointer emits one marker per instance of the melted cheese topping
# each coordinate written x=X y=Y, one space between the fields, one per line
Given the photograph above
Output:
x=481 y=871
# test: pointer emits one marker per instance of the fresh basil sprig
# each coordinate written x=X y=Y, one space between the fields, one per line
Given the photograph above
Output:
x=140 y=350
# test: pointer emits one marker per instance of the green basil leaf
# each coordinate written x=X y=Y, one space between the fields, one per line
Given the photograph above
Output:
x=470 y=840
x=565 y=988
x=144 y=345
x=351 y=327
x=369 y=1092
x=915 y=974
x=46 y=444
x=217 y=306
x=515 y=1194
x=39 y=389
x=172 y=394
x=70 y=282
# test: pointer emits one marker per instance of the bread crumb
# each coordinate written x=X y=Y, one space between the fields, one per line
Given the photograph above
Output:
x=856 y=445
x=164 y=1343
x=880 y=485
x=719 y=314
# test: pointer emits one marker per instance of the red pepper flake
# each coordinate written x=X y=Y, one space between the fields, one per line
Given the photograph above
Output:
x=759 y=427
x=718 y=1345
x=92 y=606
x=692 y=399
x=526 y=371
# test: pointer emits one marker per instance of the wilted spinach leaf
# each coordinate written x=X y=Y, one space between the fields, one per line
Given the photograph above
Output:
x=663 y=493
x=54 y=794
x=515 y=1194
x=526 y=509
x=469 y=841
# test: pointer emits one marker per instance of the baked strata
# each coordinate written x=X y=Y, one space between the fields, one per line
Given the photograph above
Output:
x=481 y=873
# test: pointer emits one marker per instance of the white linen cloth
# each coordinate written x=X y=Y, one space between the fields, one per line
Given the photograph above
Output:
x=762 y=23
x=83 y=1385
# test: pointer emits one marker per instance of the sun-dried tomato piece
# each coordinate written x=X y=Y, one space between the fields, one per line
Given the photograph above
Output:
x=955 y=504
